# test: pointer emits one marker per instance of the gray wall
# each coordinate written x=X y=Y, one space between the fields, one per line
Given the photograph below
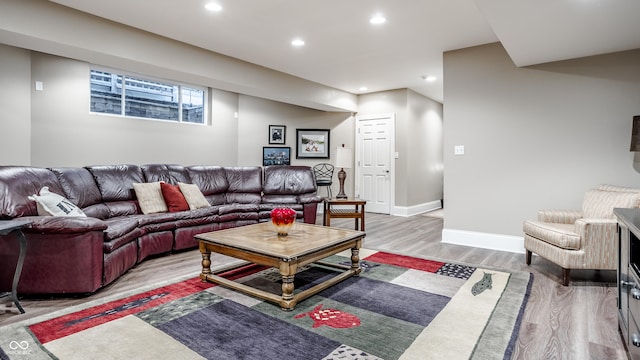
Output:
x=535 y=137
x=419 y=136
x=257 y=114
x=64 y=133
x=15 y=109
x=54 y=29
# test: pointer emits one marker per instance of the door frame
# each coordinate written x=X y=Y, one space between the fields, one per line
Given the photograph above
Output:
x=391 y=117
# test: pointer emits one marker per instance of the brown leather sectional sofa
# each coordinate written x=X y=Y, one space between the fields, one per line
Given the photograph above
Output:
x=83 y=254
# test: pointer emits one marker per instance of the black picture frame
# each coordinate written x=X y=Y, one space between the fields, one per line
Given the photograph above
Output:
x=277 y=134
x=276 y=155
x=313 y=143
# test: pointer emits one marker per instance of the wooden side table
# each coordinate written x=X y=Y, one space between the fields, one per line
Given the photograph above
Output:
x=6 y=228
x=356 y=213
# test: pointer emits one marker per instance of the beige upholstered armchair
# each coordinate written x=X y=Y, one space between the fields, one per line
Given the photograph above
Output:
x=580 y=239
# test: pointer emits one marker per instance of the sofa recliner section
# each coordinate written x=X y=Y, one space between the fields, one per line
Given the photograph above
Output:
x=85 y=254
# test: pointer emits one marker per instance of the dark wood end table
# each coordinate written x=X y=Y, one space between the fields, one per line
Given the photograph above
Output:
x=356 y=213
x=6 y=228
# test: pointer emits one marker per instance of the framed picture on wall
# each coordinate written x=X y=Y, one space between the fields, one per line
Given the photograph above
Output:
x=272 y=155
x=312 y=143
x=277 y=134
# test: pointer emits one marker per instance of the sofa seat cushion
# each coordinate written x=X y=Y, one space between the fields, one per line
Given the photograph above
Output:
x=122 y=208
x=197 y=221
x=99 y=211
x=120 y=226
x=238 y=208
x=157 y=218
x=122 y=241
x=238 y=216
x=195 y=214
x=560 y=235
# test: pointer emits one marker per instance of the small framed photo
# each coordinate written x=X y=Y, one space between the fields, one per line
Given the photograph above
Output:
x=272 y=155
x=312 y=143
x=277 y=134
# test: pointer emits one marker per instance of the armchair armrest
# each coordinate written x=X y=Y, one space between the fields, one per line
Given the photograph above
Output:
x=559 y=216
x=599 y=242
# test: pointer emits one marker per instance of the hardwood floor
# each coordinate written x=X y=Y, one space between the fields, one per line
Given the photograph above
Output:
x=574 y=322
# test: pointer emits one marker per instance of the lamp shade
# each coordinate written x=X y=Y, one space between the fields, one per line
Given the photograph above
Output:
x=635 y=134
x=343 y=158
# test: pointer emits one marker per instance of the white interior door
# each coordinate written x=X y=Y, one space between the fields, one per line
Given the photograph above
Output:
x=374 y=149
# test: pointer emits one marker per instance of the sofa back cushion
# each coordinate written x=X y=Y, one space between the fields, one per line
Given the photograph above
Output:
x=599 y=204
x=78 y=185
x=288 y=180
x=212 y=181
x=17 y=183
x=115 y=183
x=245 y=184
x=80 y=188
x=170 y=174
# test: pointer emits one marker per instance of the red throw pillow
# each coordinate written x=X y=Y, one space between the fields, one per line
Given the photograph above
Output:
x=173 y=197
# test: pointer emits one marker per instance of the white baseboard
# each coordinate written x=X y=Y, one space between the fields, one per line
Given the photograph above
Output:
x=416 y=209
x=514 y=244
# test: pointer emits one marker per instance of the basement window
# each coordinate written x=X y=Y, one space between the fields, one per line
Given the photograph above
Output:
x=135 y=96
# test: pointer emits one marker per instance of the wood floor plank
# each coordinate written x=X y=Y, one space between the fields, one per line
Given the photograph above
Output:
x=574 y=322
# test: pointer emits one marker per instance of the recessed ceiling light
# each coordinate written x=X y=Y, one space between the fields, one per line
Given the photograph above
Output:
x=429 y=78
x=297 y=42
x=377 y=19
x=213 y=7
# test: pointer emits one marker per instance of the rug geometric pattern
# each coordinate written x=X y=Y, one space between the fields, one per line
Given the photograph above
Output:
x=400 y=307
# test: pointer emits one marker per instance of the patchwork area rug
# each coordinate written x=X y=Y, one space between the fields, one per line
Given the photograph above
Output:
x=399 y=307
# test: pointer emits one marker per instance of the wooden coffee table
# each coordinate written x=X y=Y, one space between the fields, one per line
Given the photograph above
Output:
x=260 y=244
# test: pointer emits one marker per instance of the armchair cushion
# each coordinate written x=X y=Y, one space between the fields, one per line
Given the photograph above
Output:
x=560 y=235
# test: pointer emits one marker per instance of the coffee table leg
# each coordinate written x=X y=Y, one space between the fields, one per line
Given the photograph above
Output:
x=206 y=262
x=288 y=272
x=287 y=287
x=355 y=260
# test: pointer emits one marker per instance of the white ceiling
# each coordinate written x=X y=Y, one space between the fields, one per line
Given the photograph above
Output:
x=343 y=50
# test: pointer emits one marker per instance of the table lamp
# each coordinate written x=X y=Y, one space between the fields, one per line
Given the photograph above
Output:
x=343 y=160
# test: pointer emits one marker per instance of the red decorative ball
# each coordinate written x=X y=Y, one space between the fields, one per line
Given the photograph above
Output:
x=283 y=219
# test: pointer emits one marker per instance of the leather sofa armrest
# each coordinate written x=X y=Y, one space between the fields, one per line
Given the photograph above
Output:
x=559 y=216
x=64 y=224
x=309 y=198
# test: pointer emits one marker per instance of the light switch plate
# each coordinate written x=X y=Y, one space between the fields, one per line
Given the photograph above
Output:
x=458 y=150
